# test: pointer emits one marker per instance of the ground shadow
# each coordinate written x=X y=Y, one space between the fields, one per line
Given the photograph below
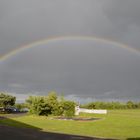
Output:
x=6 y=120
x=14 y=130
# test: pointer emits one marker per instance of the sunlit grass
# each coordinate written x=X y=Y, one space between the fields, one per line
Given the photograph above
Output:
x=120 y=124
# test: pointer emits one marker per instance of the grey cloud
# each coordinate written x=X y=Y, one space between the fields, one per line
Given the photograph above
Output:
x=125 y=19
x=123 y=13
x=72 y=68
x=27 y=21
x=99 y=71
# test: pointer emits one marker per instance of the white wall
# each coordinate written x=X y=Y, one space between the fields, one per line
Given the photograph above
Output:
x=96 y=111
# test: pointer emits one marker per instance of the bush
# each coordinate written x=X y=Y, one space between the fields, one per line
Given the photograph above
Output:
x=69 y=108
x=38 y=105
x=50 y=105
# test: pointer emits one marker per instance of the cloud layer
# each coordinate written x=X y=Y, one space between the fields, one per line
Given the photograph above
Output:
x=75 y=68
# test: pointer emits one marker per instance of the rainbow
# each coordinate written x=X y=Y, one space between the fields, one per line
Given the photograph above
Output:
x=52 y=39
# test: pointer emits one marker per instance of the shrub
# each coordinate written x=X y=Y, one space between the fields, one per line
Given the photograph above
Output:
x=50 y=105
x=69 y=108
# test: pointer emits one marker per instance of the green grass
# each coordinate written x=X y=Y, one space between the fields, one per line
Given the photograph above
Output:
x=120 y=124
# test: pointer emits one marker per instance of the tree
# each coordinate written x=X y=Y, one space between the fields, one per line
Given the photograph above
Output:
x=130 y=104
x=44 y=105
x=50 y=105
x=69 y=108
x=21 y=106
x=6 y=100
x=53 y=103
x=38 y=105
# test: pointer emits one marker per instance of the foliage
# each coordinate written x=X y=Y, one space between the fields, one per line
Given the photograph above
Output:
x=20 y=106
x=130 y=105
x=6 y=100
x=53 y=103
x=50 y=105
x=111 y=105
x=69 y=108
x=38 y=105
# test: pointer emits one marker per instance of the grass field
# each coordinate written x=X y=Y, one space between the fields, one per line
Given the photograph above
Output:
x=120 y=124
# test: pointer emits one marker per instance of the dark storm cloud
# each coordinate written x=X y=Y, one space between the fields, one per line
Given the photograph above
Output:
x=123 y=13
x=22 y=22
x=125 y=19
x=99 y=70
x=25 y=21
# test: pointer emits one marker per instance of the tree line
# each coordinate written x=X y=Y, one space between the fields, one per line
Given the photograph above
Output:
x=52 y=104
x=112 y=105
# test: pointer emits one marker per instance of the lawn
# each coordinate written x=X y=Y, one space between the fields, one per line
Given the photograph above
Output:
x=121 y=124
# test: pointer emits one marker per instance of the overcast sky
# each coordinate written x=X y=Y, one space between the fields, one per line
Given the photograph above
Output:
x=81 y=69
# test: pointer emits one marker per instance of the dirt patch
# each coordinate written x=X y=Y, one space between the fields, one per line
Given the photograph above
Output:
x=77 y=119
